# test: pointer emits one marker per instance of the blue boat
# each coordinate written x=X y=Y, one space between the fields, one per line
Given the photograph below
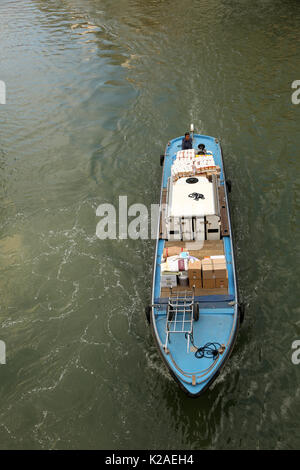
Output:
x=194 y=323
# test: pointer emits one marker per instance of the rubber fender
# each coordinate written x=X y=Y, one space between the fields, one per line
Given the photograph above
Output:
x=241 y=312
x=228 y=185
x=170 y=313
x=196 y=312
x=148 y=313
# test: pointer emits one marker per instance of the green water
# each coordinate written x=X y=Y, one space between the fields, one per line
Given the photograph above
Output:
x=95 y=89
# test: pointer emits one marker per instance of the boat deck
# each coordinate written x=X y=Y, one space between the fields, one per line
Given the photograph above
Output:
x=213 y=325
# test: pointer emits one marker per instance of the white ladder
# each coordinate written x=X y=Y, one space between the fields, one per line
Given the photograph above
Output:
x=180 y=312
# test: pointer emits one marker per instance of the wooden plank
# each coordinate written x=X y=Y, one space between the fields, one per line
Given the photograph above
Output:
x=165 y=291
x=207 y=244
x=162 y=224
x=223 y=212
x=209 y=248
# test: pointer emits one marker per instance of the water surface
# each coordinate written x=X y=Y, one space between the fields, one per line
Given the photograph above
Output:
x=95 y=89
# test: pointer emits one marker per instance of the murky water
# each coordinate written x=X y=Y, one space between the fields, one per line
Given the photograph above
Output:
x=95 y=89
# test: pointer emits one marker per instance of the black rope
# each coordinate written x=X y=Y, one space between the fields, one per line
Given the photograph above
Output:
x=209 y=350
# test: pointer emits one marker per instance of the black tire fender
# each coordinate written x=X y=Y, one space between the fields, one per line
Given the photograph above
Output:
x=196 y=312
x=228 y=185
x=148 y=313
x=170 y=313
x=241 y=310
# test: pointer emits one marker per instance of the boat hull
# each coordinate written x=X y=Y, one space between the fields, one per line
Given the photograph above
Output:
x=219 y=314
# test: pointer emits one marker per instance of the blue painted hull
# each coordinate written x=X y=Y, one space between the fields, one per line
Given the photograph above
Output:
x=219 y=314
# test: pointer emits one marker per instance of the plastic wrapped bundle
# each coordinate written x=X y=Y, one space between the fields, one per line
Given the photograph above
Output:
x=174 y=264
x=189 y=154
x=205 y=162
x=172 y=251
x=181 y=168
x=188 y=164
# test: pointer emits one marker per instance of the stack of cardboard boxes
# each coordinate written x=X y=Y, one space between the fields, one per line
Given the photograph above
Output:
x=188 y=164
x=210 y=273
x=195 y=275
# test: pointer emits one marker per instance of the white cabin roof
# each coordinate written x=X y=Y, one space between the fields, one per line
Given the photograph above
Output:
x=181 y=204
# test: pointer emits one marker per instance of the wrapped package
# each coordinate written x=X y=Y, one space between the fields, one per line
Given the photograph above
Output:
x=174 y=264
x=172 y=251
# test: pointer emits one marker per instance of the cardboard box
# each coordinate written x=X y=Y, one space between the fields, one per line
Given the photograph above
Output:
x=219 y=265
x=197 y=283
x=172 y=251
x=168 y=280
x=207 y=269
x=220 y=270
x=209 y=283
x=221 y=283
x=195 y=276
x=214 y=268
x=206 y=260
x=218 y=258
x=194 y=270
